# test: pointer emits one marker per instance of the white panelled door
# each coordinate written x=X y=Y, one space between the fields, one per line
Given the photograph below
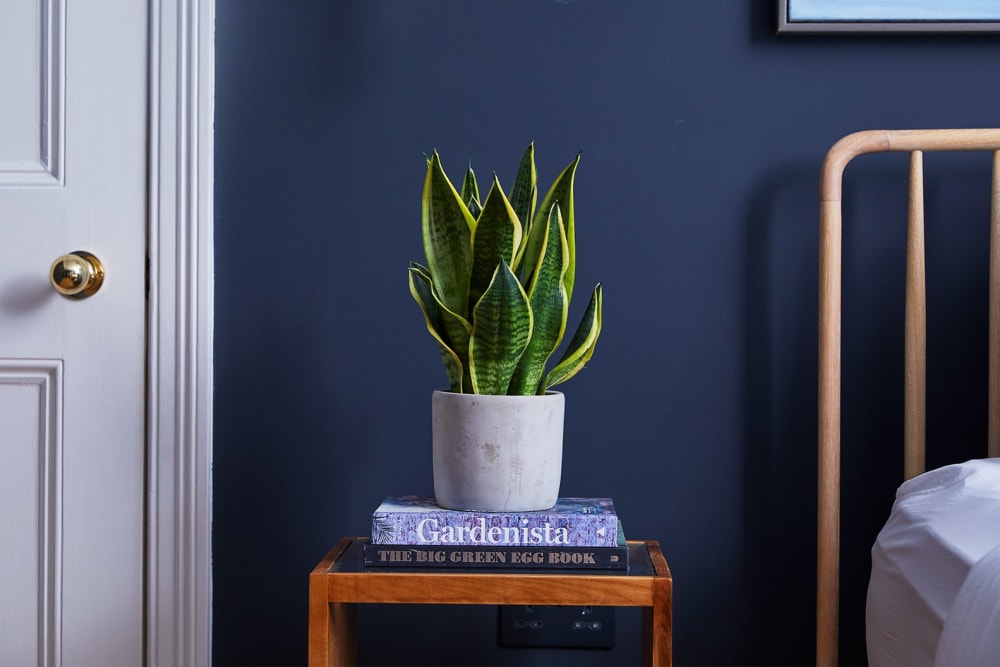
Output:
x=73 y=176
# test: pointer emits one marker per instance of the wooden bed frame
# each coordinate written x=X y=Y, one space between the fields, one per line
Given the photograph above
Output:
x=915 y=142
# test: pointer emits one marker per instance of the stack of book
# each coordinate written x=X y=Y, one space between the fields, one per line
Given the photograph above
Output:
x=577 y=533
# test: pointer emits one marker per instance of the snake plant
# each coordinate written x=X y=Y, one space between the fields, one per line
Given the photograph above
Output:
x=496 y=288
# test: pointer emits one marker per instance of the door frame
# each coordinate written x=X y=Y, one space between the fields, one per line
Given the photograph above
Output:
x=180 y=333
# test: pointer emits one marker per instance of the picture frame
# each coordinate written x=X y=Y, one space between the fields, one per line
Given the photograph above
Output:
x=885 y=16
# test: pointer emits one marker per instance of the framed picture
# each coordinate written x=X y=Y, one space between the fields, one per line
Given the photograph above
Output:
x=938 y=16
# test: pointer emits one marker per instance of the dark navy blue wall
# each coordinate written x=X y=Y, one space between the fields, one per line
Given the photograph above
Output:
x=702 y=135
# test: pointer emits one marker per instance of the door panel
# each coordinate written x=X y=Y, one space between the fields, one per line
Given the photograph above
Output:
x=30 y=393
x=72 y=371
x=31 y=107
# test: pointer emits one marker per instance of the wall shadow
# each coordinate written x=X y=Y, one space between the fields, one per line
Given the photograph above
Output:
x=779 y=414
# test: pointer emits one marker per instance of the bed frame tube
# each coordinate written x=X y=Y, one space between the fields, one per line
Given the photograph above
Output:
x=916 y=142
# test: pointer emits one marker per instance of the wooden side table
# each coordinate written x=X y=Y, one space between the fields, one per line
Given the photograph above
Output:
x=340 y=582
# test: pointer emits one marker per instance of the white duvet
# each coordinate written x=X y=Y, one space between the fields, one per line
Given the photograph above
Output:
x=934 y=591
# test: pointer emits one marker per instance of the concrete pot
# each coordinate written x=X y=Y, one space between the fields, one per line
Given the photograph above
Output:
x=497 y=453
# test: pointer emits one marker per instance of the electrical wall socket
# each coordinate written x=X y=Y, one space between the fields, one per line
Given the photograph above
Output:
x=556 y=626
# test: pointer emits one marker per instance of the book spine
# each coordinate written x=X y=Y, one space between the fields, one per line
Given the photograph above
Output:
x=427 y=556
x=455 y=528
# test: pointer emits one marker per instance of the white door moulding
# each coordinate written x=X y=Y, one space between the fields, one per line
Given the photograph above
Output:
x=180 y=311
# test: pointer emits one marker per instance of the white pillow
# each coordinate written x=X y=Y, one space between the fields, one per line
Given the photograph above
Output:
x=971 y=636
x=941 y=524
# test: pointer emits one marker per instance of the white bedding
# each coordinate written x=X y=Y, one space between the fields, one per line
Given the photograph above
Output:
x=936 y=571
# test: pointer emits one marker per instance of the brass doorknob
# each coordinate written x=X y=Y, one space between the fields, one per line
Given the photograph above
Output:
x=77 y=275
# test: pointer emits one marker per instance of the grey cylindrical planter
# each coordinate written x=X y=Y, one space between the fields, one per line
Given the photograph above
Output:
x=497 y=453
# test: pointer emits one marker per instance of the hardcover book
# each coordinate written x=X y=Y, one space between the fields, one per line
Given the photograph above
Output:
x=572 y=522
x=498 y=557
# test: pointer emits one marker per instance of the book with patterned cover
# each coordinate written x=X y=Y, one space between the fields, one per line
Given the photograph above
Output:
x=572 y=522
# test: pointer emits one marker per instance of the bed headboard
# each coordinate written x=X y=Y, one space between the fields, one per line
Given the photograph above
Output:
x=916 y=143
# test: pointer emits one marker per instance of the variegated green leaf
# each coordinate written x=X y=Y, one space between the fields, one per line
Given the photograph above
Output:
x=470 y=193
x=549 y=305
x=523 y=197
x=453 y=328
x=561 y=192
x=501 y=328
x=422 y=292
x=496 y=237
x=447 y=228
x=581 y=346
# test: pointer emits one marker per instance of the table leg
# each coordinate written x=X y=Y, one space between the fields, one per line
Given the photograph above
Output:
x=332 y=636
x=343 y=633
x=657 y=626
x=331 y=626
x=320 y=624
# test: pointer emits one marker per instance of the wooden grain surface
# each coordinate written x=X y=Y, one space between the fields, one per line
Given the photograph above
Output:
x=831 y=183
x=334 y=593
